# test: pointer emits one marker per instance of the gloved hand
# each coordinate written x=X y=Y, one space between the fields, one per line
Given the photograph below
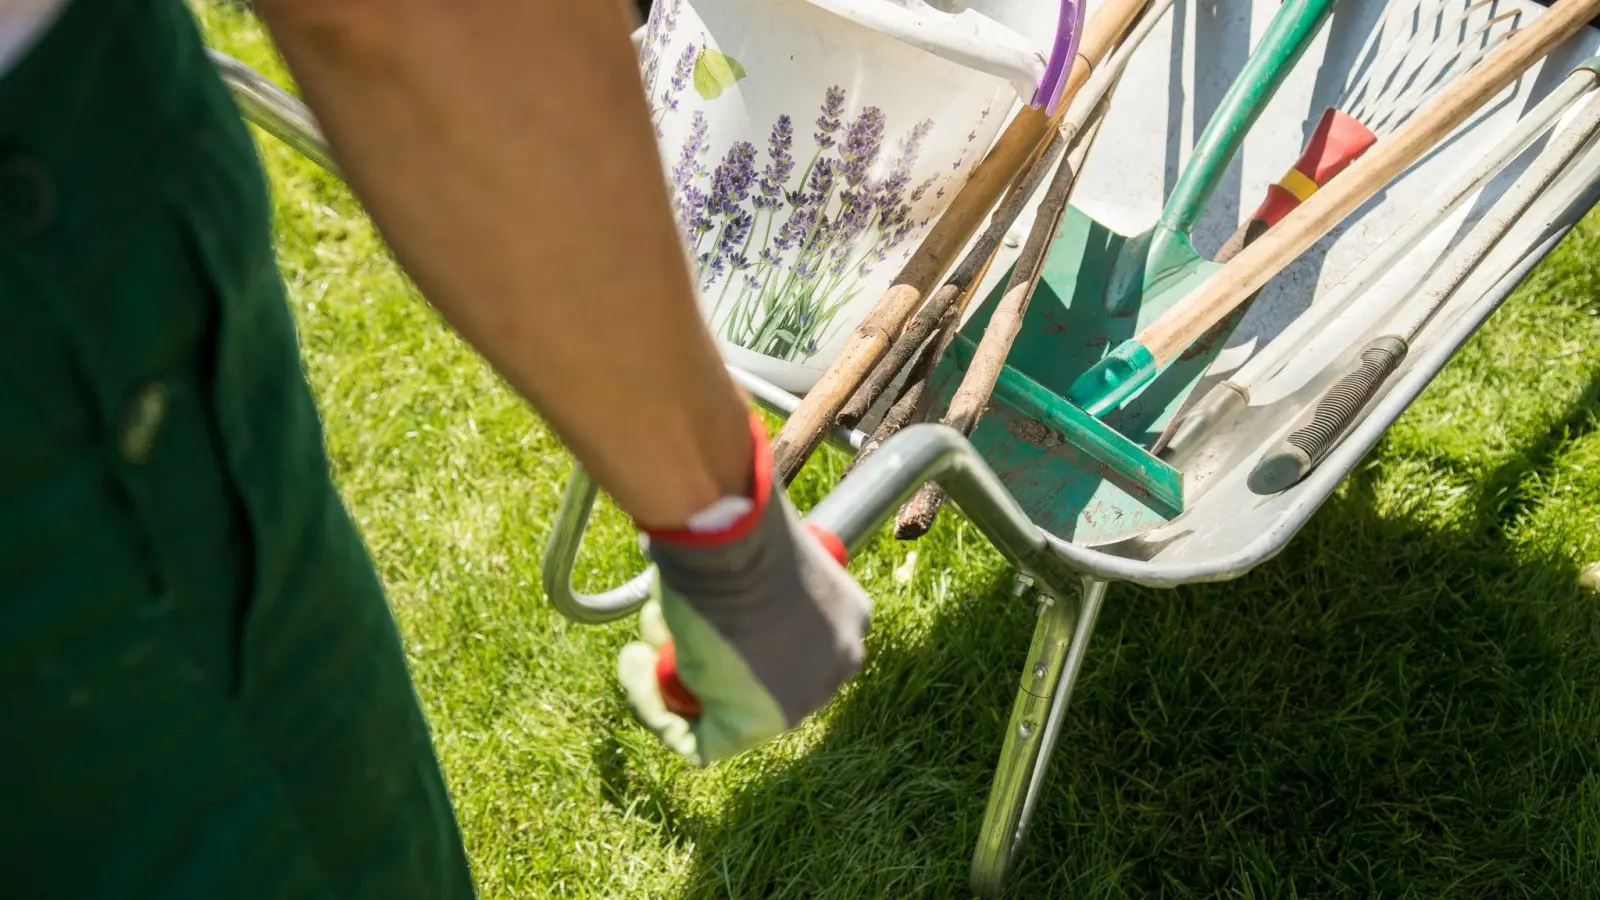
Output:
x=754 y=625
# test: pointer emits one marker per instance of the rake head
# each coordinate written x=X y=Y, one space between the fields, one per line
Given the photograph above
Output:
x=1414 y=51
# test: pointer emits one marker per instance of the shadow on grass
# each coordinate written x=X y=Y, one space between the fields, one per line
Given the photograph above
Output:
x=1385 y=709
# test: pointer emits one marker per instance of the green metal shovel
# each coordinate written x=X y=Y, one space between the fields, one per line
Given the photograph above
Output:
x=1163 y=259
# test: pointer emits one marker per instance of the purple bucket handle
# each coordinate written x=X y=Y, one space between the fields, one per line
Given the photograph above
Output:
x=1069 y=30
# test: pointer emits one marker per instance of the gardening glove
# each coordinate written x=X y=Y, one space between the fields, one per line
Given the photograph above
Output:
x=753 y=625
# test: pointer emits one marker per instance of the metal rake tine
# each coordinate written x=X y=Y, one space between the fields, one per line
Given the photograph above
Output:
x=1406 y=73
x=1374 y=53
x=1443 y=57
x=1366 y=59
x=1483 y=43
x=1389 y=57
x=1430 y=71
x=1413 y=77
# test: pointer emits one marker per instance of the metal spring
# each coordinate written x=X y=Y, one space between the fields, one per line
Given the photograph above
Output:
x=1339 y=406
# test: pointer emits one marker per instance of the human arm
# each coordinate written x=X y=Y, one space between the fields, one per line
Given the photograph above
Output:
x=504 y=151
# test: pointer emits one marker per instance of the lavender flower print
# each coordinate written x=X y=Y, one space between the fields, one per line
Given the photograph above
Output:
x=861 y=145
x=680 y=78
x=894 y=214
x=663 y=22
x=776 y=174
x=728 y=253
x=828 y=122
x=730 y=183
x=689 y=198
x=730 y=186
x=821 y=182
x=782 y=240
x=795 y=230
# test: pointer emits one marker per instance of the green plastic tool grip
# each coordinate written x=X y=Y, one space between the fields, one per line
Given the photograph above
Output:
x=1110 y=382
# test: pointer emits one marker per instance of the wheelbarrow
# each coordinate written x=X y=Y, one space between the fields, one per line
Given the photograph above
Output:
x=1328 y=302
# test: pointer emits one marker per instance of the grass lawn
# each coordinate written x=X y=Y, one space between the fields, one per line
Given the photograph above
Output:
x=1405 y=703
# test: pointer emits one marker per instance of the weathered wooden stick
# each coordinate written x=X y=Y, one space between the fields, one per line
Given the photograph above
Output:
x=911 y=341
x=916 y=400
x=977 y=385
x=1019 y=143
x=932 y=313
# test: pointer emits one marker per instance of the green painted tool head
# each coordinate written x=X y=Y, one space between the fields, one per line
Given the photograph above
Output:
x=1087 y=479
x=1149 y=264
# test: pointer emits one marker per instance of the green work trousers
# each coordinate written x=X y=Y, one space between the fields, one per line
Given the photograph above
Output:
x=202 y=691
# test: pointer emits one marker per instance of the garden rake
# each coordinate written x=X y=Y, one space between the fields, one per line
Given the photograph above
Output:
x=1395 y=75
x=1132 y=366
x=1363 y=376
x=1393 y=80
x=1190 y=448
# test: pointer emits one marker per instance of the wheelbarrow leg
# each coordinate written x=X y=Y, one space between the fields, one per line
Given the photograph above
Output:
x=1054 y=660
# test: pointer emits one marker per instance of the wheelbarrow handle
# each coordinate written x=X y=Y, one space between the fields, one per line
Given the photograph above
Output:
x=577 y=501
x=862 y=501
x=272 y=108
x=853 y=511
x=282 y=115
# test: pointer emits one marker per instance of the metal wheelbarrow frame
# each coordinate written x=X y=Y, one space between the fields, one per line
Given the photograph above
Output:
x=1068 y=582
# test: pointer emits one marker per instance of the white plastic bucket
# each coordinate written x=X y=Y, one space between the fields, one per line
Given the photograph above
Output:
x=809 y=145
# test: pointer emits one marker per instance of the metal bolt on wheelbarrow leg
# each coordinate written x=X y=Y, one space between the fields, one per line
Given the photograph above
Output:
x=1054 y=660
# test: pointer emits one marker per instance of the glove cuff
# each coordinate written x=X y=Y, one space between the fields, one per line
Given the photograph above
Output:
x=731 y=518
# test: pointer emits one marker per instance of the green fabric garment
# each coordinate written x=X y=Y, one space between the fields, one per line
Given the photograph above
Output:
x=203 y=691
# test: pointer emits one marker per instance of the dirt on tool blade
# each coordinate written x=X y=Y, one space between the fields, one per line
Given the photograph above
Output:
x=1034 y=433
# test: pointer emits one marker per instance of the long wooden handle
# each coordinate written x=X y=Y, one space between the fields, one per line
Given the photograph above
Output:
x=1258 y=263
x=972 y=396
x=915 y=404
x=1023 y=139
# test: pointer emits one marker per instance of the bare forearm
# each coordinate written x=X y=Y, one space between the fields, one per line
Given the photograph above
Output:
x=505 y=152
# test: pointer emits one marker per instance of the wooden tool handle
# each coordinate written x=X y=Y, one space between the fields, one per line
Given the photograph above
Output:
x=1258 y=263
x=972 y=396
x=1021 y=142
x=914 y=404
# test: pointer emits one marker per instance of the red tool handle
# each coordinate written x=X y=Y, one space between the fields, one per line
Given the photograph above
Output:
x=1337 y=142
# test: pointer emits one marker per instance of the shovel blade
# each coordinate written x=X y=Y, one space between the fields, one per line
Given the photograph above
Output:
x=1146 y=265
x=1086 y=481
